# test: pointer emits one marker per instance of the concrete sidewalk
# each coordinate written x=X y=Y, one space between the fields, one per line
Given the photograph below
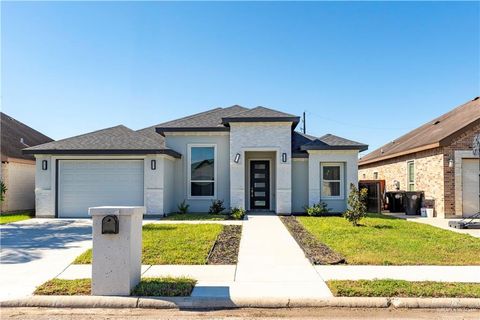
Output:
x=270 y=264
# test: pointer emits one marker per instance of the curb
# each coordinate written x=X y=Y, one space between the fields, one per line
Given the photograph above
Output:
x=226 y=303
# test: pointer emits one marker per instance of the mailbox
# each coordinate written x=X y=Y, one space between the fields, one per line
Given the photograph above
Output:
x=110 y=225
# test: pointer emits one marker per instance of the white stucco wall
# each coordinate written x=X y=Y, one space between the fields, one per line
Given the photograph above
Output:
x=154 y=181
x=19 y=178
x=255 y=136
x=350 y=160
x=180 y=142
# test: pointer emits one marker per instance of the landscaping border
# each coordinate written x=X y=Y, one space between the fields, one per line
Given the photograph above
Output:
x=226 y=247
x=227 y=303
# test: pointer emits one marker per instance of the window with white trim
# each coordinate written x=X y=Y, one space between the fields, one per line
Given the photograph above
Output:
x=411 y=175
x=202 y=171
x=332 y=181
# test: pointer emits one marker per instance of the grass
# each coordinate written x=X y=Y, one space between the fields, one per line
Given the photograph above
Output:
x=401 y=288
x=382 y=240
x=14 y=217
x=172 y=244
x=165 y=287
x=196 y=216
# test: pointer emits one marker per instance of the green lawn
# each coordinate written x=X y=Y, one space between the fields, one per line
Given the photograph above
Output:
x=172 y=244
x=400 y=288
x=196 y=216
x=382 y=240
x=165 y=287
x=14 y=217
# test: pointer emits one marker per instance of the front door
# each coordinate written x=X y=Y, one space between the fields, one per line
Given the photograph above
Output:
x=259 y=184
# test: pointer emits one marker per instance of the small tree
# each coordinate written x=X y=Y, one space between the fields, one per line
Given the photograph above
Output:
x=3 y=190
x=357 y=207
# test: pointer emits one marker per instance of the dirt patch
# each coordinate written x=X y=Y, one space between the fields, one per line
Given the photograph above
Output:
x=315 y=251
x=225 y=249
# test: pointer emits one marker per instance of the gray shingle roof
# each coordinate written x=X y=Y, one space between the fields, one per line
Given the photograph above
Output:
x=115 y=140
x=303 y=142
x=13 y=132
x=211 y=119
x=261 y=114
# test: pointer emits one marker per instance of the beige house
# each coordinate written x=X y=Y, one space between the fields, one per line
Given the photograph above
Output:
x=436 y=158
x=18 y=169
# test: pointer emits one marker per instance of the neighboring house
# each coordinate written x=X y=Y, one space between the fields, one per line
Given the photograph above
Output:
x=436 y=158
x=18 y=169
x=249 y=158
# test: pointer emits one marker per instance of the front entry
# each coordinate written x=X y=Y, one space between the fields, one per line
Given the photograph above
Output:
x=259 y=185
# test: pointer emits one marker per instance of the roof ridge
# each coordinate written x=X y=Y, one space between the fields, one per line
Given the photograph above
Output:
x=187 y=117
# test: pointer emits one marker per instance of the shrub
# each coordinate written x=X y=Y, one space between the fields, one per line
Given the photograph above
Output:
x=3 y=190
x=357 y=207
x=318 y=209
x=237 y=213
x=216 y=207
x=183 y=207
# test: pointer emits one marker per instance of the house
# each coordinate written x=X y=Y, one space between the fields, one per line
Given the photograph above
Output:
x=18 y=169
x=436 y=158
x=249 y=158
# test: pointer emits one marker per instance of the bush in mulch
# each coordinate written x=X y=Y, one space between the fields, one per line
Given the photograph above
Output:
x=225 y=249
x=315 y=251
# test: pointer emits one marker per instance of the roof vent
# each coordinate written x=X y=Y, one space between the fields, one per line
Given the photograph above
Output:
x=23 y=142
x=381 y=150
x=436 y=122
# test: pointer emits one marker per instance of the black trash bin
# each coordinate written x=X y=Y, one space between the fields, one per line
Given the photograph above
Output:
x=413 y=202
x=396 y=201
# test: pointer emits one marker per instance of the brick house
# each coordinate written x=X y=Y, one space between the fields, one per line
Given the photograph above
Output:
x=436 y=158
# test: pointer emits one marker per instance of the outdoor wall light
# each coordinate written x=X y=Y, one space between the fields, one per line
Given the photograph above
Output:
x=44 y=164
x=450 y=163
x=153 y=164
x=284 y=157
x=237 y=158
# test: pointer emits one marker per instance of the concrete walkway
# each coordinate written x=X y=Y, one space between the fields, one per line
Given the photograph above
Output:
x=36 y=250
x=409 y=273
x=270 y=265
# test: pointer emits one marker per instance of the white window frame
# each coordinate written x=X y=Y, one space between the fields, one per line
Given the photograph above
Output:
x=408 y=175
x=189 y=171
x=342 y=180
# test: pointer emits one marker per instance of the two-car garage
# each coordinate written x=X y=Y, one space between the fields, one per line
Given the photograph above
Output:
x=88 y=183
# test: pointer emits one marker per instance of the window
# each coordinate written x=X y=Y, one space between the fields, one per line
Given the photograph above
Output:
x=375 y=175
x=202 y=171
x=332 y=180
x=411 y=175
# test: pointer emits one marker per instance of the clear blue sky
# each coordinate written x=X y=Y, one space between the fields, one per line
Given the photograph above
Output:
x=366 y=71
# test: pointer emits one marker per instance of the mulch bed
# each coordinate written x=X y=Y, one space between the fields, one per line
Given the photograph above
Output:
x=225 y=249
x=315 y=251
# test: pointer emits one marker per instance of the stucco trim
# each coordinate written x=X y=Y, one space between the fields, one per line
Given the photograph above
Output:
x=459 y=156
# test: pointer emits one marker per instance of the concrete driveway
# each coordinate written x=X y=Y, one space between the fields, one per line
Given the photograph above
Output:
x=36 y=250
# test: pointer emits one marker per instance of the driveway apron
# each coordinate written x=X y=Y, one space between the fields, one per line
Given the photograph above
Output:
x=37 y=250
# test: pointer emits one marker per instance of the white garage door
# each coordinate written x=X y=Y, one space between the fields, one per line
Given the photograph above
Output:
x=89 y=183
x=470 y=186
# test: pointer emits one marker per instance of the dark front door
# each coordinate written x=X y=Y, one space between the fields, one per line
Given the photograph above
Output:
x=259 y=185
